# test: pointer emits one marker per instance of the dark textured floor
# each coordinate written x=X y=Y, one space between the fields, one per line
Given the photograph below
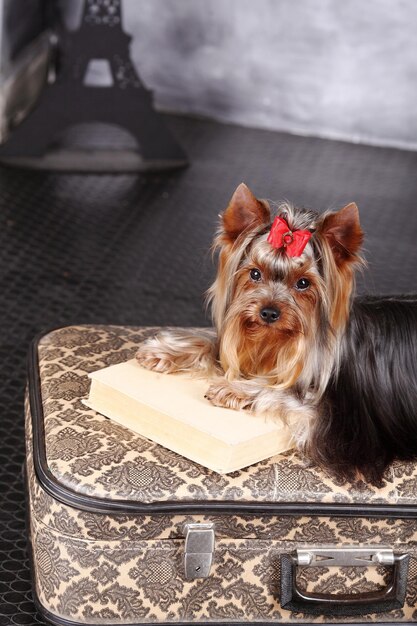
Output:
x=134 y=250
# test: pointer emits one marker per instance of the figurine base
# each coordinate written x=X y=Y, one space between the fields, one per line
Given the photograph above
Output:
x=105 y=161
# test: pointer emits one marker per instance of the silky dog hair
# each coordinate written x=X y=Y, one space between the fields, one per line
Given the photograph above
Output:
x=290 y=341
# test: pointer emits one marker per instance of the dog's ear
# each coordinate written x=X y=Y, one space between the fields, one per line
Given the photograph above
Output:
x=343 y=233
x=244 y=212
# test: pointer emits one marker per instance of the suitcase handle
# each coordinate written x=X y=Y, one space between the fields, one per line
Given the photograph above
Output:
x=387 y=599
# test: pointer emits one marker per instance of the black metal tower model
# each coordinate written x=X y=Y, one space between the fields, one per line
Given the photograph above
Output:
x=71 y=100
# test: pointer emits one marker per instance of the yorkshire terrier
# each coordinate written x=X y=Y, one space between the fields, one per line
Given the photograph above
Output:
x=290 y=340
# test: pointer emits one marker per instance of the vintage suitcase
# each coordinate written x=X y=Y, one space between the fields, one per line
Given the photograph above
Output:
x=123 y=531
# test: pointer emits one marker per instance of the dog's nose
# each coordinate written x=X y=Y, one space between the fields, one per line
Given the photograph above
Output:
x=270 y=314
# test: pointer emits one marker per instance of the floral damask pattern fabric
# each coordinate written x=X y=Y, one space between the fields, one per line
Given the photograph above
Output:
x=143 y=581
x=92 y=455
x=99 y=568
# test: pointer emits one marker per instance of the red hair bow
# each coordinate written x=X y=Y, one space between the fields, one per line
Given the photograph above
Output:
x=294 y=241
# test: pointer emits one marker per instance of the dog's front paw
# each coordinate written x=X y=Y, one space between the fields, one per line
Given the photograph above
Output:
x=228 y=396
x=150 y=356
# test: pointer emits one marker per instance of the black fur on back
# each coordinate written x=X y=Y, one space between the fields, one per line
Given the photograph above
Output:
x=368 y=416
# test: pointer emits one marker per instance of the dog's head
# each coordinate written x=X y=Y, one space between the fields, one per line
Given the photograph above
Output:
x=279 y=307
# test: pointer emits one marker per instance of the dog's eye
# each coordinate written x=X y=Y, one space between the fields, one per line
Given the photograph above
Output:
x=302 y=284
x=255 y=274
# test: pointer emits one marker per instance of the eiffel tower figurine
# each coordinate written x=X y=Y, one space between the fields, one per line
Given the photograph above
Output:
x=72 y=100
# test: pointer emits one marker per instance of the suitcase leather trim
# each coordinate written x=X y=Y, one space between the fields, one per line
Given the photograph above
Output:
x=103 y=505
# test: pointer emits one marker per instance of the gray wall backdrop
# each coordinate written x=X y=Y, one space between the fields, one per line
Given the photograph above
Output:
x=334 y=68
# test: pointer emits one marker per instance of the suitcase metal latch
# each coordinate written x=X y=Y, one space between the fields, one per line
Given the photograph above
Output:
x=199 y=550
